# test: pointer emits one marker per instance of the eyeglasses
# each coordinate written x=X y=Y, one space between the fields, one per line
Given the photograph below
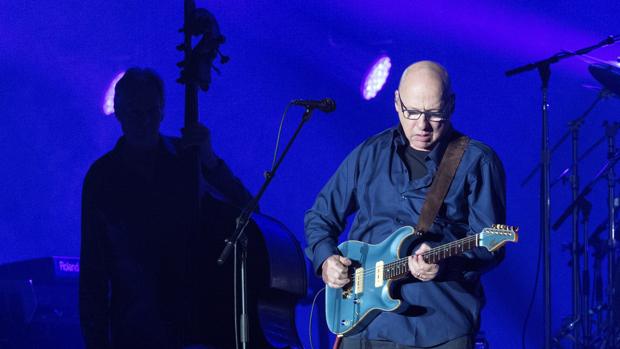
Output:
x=430 y=115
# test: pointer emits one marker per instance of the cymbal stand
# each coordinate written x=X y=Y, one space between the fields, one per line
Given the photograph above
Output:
x=576 y=316
x=574 y=180
x=586 y=207
x=599 y=307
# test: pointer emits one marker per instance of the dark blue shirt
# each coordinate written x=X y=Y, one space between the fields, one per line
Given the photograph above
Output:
x=373 y=182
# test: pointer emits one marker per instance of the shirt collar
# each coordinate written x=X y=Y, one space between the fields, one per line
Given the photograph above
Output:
x=400 y=140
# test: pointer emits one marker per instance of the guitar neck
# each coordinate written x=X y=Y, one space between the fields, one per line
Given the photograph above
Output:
x=400 y=268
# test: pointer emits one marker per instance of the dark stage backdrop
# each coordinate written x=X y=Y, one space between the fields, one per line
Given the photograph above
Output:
x=57 y=59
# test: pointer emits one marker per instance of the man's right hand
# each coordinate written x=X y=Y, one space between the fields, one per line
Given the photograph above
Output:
x=334 y=272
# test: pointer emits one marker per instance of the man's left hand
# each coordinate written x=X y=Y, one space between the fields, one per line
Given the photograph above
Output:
x=419 y=268
x=199 y=135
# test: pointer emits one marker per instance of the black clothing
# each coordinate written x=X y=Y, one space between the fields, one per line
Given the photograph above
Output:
x=415 y=162
x=139 y=273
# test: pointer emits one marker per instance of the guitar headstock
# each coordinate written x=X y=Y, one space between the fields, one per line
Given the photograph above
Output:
x=498 y=235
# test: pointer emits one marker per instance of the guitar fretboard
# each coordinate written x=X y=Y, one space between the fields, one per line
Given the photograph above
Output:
x=400 y=268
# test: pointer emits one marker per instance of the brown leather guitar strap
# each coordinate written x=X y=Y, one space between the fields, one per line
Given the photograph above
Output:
x=439 y=188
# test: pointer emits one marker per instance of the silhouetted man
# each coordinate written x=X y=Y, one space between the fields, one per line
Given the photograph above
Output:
x=141 y=273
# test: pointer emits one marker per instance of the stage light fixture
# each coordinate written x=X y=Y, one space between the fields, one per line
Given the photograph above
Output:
x=376 y=77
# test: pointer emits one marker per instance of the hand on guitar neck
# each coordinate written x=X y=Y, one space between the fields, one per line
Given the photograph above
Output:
x=419 y=268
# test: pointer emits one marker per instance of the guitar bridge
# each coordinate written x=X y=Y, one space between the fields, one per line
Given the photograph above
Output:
x=347 y=291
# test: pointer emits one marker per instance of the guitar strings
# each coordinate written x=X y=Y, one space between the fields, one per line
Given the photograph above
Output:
x=438 y=249
x=401 y=262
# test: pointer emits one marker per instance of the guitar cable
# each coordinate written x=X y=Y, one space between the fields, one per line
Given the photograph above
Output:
x=316 y=296
x=533 y=297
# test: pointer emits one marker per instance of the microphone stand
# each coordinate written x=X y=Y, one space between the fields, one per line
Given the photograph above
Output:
x=610 y=133
x=544 y=71
x=238 y=234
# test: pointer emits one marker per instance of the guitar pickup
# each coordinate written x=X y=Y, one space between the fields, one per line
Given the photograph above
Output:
x=379 y=274
x=359 y=280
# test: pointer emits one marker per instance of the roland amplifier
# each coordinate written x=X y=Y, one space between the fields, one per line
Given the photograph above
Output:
x=39 y=304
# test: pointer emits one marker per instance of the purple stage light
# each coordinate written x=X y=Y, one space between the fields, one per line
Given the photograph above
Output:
x=376 y=77
x=108 y=101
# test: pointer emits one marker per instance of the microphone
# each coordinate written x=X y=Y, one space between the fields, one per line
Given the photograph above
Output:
x=326 y=105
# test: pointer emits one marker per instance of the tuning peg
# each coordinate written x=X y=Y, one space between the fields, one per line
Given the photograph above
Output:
x=223 y=59
x=181 y=47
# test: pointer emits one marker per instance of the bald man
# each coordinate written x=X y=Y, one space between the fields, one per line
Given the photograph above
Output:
x=384 y=182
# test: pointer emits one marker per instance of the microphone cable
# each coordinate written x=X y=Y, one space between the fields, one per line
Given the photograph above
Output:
x=275 y=152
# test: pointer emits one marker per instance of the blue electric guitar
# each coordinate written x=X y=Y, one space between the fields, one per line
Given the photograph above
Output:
x=375 y=267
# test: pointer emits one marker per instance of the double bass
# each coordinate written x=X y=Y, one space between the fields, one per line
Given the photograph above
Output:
x=276 y=266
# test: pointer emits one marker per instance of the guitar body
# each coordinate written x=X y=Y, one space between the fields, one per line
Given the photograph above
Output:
x=349 y=309
x=375 y=267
